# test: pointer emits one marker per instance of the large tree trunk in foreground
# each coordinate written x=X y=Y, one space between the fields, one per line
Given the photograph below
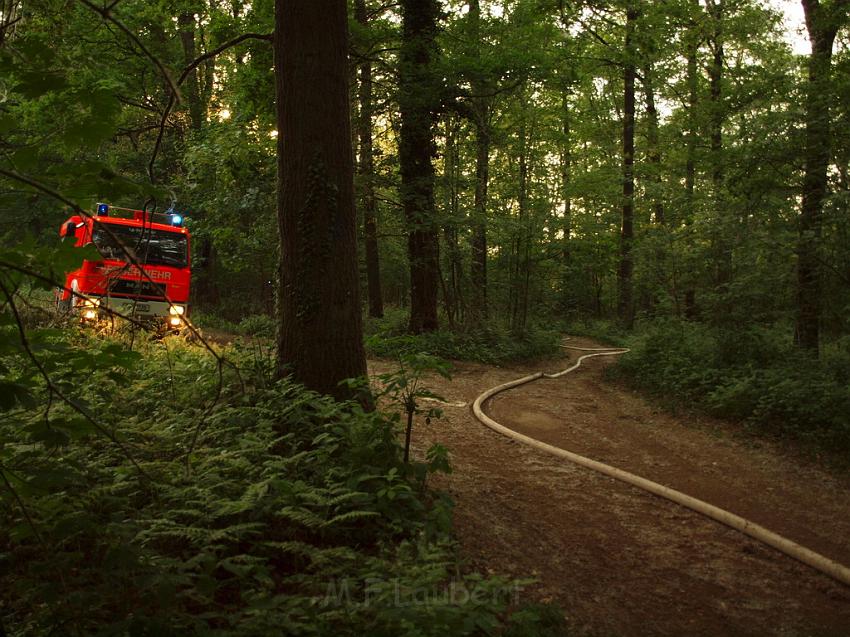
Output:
x=366 y=170
x=822 y=24
x=319 y=333
x=418 y=100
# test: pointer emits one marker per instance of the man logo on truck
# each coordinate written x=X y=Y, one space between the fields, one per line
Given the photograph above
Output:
x=130 y=240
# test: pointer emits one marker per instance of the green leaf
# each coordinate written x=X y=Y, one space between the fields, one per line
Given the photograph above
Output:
x=14 y=394
x=35 y=83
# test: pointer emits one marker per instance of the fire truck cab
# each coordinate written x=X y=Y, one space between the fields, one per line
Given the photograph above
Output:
x=145 y=269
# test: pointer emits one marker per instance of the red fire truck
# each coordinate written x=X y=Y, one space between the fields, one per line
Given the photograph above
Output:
x=152 y=284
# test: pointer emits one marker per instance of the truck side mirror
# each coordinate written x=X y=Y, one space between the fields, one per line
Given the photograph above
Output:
x=70 y=229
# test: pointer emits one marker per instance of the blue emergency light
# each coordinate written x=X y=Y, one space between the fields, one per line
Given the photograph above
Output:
x=103 y=210
x=177 y=220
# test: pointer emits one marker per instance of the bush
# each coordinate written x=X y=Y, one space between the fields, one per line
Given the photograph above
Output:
x=753 y=375
x=493 y=344
x=260 y=325
x=213 y=321
x=178 y=509
x=603 y=330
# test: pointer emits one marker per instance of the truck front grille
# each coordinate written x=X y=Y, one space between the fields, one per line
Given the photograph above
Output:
x=136 y=288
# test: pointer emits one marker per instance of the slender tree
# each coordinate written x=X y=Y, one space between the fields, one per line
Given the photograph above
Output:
x=566 y=163
x=481 y=120
x=319 y=327
x=451 y=282
x=366 y=171
x=626 y=265
x=520 y=283
x=716 y=10
x=822 y=24
x=186 y=25
x=653 y=153
x=10 y=15
x=692 y=38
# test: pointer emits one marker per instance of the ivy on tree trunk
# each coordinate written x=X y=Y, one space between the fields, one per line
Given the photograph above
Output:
x=320 y=338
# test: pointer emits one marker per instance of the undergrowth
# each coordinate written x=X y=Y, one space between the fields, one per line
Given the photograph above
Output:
x=259 y=325
x=753 y=375
x=491 y=344
x=201 y=500
x=609 y=333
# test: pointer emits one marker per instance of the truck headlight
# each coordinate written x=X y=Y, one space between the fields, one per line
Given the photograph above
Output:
x=175 y=321
x=177 y=310
x=88 y=308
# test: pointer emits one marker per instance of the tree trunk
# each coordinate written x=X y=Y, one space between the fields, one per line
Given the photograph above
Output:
x=690 y=166
x=653 y=151
x=8 y=24
x=481 y=119
x=479 y=223
x=653 y=154
x=566 y=176
x=418 y=100
x=366 y=169
x=186 y=26
x=722 y=224
x=451 y=290
x=521 y=280
x=568 y=296
x=204 y=274
x=822 y=24
x=320 y=339
x=624 y=271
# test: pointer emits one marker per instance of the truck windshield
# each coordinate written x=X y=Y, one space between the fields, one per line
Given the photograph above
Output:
x=145 y=245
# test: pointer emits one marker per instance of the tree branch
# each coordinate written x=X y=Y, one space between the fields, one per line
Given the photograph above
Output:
x=194 y=64
x=22 y=334
x=268 y=37
x=106 y=14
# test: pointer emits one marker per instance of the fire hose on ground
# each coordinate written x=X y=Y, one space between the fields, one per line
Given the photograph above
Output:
x=755 y=531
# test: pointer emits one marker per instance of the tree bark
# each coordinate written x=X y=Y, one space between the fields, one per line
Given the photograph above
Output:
x=451 y=290
x=186 y=26
x=418 y=101
x=653 y=151
x=481 y=120
x=822 y=23
x=10 y=20
x=723 y=241
x=319 y=326
x=566 y=176
x=522 y=270
x=624 y=270
x=366 y=170
x=690 y=166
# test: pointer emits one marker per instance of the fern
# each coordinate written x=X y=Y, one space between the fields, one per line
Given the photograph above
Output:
x=288 y=492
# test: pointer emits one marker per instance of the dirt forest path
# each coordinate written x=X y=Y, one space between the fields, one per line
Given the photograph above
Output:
x=618 y=560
